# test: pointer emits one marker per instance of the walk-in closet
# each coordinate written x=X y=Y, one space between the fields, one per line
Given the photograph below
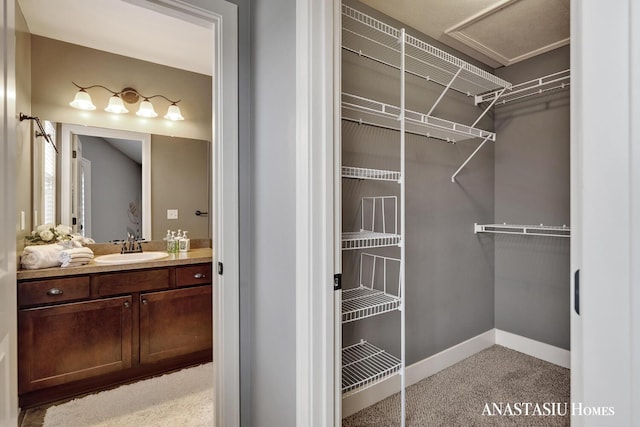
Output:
x=455 y=194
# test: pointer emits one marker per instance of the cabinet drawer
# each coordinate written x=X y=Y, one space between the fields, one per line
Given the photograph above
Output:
x=53 y=290
x=193 y=275
x=132 y=281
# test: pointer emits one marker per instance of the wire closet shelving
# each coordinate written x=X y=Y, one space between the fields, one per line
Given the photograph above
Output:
x=528 y=230
x=378 y=222
x=381 y=286
x=368 y=37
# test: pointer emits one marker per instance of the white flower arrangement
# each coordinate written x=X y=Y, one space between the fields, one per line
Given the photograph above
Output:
x=49 y=233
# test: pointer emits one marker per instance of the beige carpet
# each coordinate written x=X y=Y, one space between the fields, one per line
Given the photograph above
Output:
x=183 y=398
x=457 y=395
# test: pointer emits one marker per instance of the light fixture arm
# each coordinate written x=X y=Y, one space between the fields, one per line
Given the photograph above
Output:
x=127 y=90
x=42 y=133
x=161 y=96
x=84 y=88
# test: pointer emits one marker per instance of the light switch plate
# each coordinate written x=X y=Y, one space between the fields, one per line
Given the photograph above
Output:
x=172 y=213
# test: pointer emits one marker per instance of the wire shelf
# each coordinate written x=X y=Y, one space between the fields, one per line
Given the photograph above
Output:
x=378 y=41
x=378 y=224
x=529 y=230
x=540 y=86
x=378 y=289
x=362 y=302
x=368 y=239
x=364 y=365
x=374 y=174
x=367 y=111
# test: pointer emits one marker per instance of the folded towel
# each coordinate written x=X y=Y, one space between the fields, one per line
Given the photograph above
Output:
x=77 y=256
x=40 y=256
x=76 y=263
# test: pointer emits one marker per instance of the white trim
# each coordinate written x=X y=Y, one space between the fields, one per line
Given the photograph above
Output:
x=314 y=213
x=446 y=358
x=605 y=189
x=634 y=297
x=8 y=289
x=66 y=144
x=537 y=349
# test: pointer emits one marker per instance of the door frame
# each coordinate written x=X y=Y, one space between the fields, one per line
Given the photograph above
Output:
x=315 y=213
x=8 y=290
x=605 y=209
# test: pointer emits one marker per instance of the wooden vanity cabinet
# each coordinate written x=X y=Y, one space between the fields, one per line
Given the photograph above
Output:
x=73 y=341
x=81 y=333
x=174 y=323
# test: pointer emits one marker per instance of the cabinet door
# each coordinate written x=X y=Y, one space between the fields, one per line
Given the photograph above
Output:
x=75 y=341
x=175 y=323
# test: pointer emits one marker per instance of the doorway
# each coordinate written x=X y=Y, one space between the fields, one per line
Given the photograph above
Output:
x=223 y=189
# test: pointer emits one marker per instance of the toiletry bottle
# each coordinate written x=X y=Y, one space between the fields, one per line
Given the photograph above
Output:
x=173 y=243
x=168 y=240
x=184 y=242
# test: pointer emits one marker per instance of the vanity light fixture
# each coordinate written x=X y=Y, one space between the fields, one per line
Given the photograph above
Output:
x=82 y=101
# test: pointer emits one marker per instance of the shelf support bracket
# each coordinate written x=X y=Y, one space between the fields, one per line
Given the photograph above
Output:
x=453 y=177
x=489 y=106
x=455 y=76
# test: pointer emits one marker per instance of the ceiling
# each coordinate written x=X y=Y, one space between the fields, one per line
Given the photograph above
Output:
x=123 y=27
x=131 y=149
x=495 y=32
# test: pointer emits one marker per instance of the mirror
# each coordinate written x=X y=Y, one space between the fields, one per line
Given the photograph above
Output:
x=105 y=182
x=108 y=179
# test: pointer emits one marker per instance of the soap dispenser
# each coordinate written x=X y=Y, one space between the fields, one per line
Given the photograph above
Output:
x=168 y=240
x=173 y=243
x=184 y=243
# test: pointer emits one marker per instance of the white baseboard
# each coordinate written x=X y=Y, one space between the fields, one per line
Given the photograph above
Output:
x=540 y=350
x=434 y=364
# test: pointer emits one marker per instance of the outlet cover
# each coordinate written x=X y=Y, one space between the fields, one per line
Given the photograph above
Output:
x=172 y=213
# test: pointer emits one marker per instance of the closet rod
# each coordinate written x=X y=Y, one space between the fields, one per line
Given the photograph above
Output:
x=559 y=80
x=527 y=230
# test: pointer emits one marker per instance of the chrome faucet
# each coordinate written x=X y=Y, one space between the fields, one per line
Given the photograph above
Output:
x=131 y=245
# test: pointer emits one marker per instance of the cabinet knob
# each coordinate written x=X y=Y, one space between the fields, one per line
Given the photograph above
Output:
x=55 y=291
x=199 y=276
x=127 y=304
x=145 y=301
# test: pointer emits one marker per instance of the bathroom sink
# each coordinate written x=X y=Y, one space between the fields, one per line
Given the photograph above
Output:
x=129 y=258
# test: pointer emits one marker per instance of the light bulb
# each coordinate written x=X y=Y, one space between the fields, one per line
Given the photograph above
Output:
x=116 y=105
x=82 y=101
x=173 y=113
x=146 y=110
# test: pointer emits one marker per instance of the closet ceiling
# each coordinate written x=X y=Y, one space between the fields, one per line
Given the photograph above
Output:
x=124 y=28
x=495 y=32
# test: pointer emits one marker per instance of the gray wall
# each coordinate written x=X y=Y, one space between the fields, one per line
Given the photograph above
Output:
x=449 y=278
x=116 y=180
x=180 y=180
x=532 y=187
x=273 y=210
